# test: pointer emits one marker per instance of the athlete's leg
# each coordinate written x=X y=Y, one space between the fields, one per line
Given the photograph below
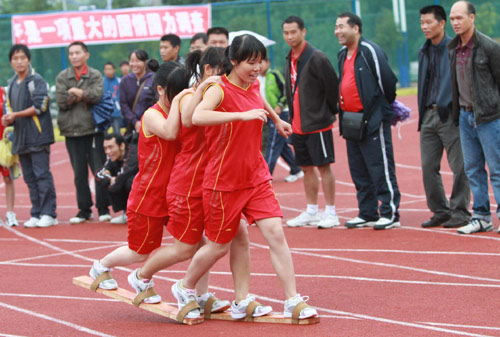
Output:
x=311 y=184
x=122 y=256
x=239 y=260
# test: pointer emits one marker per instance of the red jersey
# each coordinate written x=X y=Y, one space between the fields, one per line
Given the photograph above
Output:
x=234 y=154
x=148 y=195
x=348 y=91
x=189 y=168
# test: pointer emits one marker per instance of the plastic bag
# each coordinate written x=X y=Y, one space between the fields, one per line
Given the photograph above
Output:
x=7 y=159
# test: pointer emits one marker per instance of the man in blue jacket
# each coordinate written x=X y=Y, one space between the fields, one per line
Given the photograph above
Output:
x=437 y=129
x=27 y=107
x=368 y=86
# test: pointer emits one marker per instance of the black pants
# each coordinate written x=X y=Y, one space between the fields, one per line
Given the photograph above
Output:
x=371 y=163
x=83 y=152
x=119 y=197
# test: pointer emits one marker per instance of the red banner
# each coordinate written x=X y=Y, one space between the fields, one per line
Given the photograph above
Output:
x=109 y=26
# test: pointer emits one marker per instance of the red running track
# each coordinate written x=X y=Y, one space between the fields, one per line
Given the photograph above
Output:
x=399 y=282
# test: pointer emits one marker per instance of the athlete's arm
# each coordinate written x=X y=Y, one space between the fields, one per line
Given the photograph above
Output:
x=189 y=103
x=205 y=115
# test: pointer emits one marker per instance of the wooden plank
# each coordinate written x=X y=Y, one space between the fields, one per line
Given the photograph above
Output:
x=126 y=296
x=273 y=318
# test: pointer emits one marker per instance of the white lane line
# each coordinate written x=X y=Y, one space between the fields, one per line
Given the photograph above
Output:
x=454 y=233
x=86 y=241
x=462 y=326
x=5 y=335
x=389 y=265
x=55 y=320
x=107 y=299
x=393 y=251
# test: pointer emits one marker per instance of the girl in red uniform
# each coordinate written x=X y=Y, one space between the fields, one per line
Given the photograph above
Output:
x=237 y=179
x=184 y=197
x=147 y=210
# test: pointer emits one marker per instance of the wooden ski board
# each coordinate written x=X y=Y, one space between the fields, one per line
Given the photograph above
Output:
x=123 y=295
x=273 y=318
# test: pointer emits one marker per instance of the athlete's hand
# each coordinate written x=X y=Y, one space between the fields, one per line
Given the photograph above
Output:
x=260 y=114
x=212 y=79
x=178 y=97
x=284 y=128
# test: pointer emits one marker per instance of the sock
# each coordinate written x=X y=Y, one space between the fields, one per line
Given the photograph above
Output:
x=312 y=209
x=100 y=268
x=330 y=210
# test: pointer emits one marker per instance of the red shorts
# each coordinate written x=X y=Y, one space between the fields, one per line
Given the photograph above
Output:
x=186 y=218
x=223 y=209
x=144 y=232
x=5 y=171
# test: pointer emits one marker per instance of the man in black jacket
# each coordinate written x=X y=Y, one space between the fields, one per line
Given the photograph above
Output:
x=475 y=81
x=437 y=129
x=118 y=173
x=311 y=92
x=368 y=86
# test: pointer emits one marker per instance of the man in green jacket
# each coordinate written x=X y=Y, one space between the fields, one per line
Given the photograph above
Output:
x=77 y=88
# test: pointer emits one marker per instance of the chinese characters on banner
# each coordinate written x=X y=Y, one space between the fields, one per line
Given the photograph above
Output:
x=106 y=26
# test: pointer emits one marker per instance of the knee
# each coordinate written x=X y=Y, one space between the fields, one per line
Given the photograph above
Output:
x=186 y=251
x=141 y=257
x=219 y=250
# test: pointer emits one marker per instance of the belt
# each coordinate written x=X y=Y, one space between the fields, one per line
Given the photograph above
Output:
x=467 y=108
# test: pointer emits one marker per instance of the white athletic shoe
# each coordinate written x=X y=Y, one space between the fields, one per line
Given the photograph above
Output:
x=120 y=219
x=240 y=310
x=81 y=217
x=292 y=302
x=46 y=221
x=476 y=225
x=217 y=306
x=104 y=217
x=11 y=219
x=31 y=223
x=358 y=222
x=96 y=270
x=141 y=285
x=304 y=219
x=184 y=296
x=294 y=177
x=329 y=221
x=386 y=223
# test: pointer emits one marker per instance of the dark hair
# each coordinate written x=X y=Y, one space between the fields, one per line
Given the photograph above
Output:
x=199 y=36
x=217 y=30
x=172 y=77
x=172 y=38
x=141 y=54
x=152 y=65
x=353 y=20
x=243 y=47
x=437 y=10
x=123 y=63
x=197 y=60
x=109 y=63
x=118 y=138
x=470 y=8
x=79 y=43
x=292 y=19
x=19 y=47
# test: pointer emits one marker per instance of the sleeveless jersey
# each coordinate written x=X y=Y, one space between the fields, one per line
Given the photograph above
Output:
x=234 y=154
x=148 y=195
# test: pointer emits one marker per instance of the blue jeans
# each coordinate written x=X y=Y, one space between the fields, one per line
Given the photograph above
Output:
x=481 y=145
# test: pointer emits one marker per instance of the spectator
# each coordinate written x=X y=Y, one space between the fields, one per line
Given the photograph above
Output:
x=118 y=173
x=198 y=42
x=112 y=85
x=217 y=37
x=77 y=88
x=371 y=160
x=136 y=90
x=437 y=129
x=170 y=44
x=124 y=68
x=475 y=79
x=311 y=87
x=28 y=102
x=8 y=179
x=272 y=88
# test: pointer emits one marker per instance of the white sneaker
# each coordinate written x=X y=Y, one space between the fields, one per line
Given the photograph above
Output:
x=292 y=302
x=240 y=310
x=11 y=219
x=104 y=217
x=31 y=223
x=476 y=225
x=329 y=221
x=96 y=270
x=120 y=219
x=304 y=219
x=141 y=285
x=184 y=296
x=217 y=306
x=46 y=221
x=386 y=223
x=358 y=222
x=81 y=217
x=294 y=177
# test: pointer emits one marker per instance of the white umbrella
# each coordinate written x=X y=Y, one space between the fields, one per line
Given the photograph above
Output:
x=265 y=41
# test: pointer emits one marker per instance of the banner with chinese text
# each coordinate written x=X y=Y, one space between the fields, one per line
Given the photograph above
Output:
x=109 y=26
